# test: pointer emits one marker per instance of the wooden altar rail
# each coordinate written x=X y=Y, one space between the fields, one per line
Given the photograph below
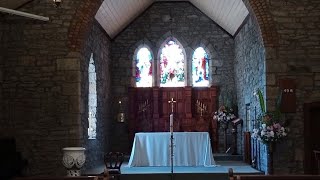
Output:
x=271 y=177
x=255 y=153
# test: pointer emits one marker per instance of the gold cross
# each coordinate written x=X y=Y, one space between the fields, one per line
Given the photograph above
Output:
x=171 y=102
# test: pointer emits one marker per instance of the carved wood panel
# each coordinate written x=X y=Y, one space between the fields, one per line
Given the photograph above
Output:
x=155 y=117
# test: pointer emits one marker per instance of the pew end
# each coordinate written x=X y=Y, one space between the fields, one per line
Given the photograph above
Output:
x=232 y=176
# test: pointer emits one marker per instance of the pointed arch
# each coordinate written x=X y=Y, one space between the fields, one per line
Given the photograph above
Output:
x=213 y=61
x=200 y=68
x=143 y=64
x=172 y=64
x=92 y=100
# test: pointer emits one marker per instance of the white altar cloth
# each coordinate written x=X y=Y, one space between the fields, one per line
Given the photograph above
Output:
x=153 y=149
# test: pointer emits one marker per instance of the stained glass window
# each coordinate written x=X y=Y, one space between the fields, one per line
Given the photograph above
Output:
x=144 y=68
x=200 y=68
x=92 y=100
x=172 y=64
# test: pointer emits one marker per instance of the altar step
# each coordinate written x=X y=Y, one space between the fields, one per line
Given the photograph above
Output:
x=216 y=156
x=227 y=157
x=220 y=172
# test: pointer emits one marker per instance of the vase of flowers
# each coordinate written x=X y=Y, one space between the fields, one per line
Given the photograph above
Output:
x=270 y=128
x=224 y=115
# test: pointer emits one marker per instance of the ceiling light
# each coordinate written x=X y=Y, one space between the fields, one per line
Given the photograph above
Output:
x=57 y=2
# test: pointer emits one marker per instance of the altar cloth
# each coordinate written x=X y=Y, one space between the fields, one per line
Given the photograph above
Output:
x=153 y=149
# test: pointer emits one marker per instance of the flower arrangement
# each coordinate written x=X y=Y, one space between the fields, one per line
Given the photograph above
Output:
x=271 y=127
x=224 y=114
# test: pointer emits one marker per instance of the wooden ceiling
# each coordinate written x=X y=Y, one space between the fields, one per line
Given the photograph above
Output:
x=115 y=15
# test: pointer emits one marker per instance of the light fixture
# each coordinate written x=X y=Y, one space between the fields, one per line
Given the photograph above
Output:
x=24 y=14
x=121 y=115
x=57 y=3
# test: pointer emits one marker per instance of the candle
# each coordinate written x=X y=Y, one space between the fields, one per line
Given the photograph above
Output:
x=249 y=119
x=171 y=122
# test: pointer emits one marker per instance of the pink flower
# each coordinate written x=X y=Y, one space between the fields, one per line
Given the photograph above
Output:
x=277 y=126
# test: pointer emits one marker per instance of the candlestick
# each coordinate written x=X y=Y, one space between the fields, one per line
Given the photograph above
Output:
x=171 y=122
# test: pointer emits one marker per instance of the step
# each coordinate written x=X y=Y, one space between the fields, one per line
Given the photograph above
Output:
x=227 y=157
x=216 y=156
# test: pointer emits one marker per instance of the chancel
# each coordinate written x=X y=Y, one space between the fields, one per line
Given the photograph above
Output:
x=194 y=86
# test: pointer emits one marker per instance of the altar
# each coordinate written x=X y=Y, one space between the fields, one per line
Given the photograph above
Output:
x=149 y=111
x=153 y=149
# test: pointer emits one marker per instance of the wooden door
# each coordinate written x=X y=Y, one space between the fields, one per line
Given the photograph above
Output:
x=311 y=136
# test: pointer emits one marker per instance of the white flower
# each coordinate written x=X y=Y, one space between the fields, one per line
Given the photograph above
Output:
x=264 y=126
x=284 y=134
x=271 y=133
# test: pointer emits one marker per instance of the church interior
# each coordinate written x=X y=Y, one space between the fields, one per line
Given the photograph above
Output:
x=95 y=74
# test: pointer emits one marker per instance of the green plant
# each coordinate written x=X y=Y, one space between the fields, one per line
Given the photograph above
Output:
x=271 y=128
x=261 y=101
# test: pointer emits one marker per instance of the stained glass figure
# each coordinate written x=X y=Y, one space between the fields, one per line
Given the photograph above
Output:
x=200 y=68
x=172 y=64
x=144 y=68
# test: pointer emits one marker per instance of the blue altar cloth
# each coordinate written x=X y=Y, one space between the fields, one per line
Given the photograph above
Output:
x=153 y=149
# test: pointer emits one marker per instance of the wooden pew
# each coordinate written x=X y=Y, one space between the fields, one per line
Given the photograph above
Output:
x=58 y=178
x=103 y=176
x=271 y=177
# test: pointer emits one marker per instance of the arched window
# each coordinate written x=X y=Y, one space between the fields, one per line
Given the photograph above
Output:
x=200 y=68
x=143 y=67
x=172 y=65
x=92 y=100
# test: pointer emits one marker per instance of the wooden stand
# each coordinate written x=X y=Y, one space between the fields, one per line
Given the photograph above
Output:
x=224 y=126
x=247 y=147
x=270 y=149
x=317 y=158
x=235 y=124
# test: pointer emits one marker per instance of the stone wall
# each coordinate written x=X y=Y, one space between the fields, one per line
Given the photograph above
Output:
x=291 y=41
x=191 y=28
x=2 y=46
x=43 y=82
x=297 y=57
x=99 y=44
x=250 y=74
